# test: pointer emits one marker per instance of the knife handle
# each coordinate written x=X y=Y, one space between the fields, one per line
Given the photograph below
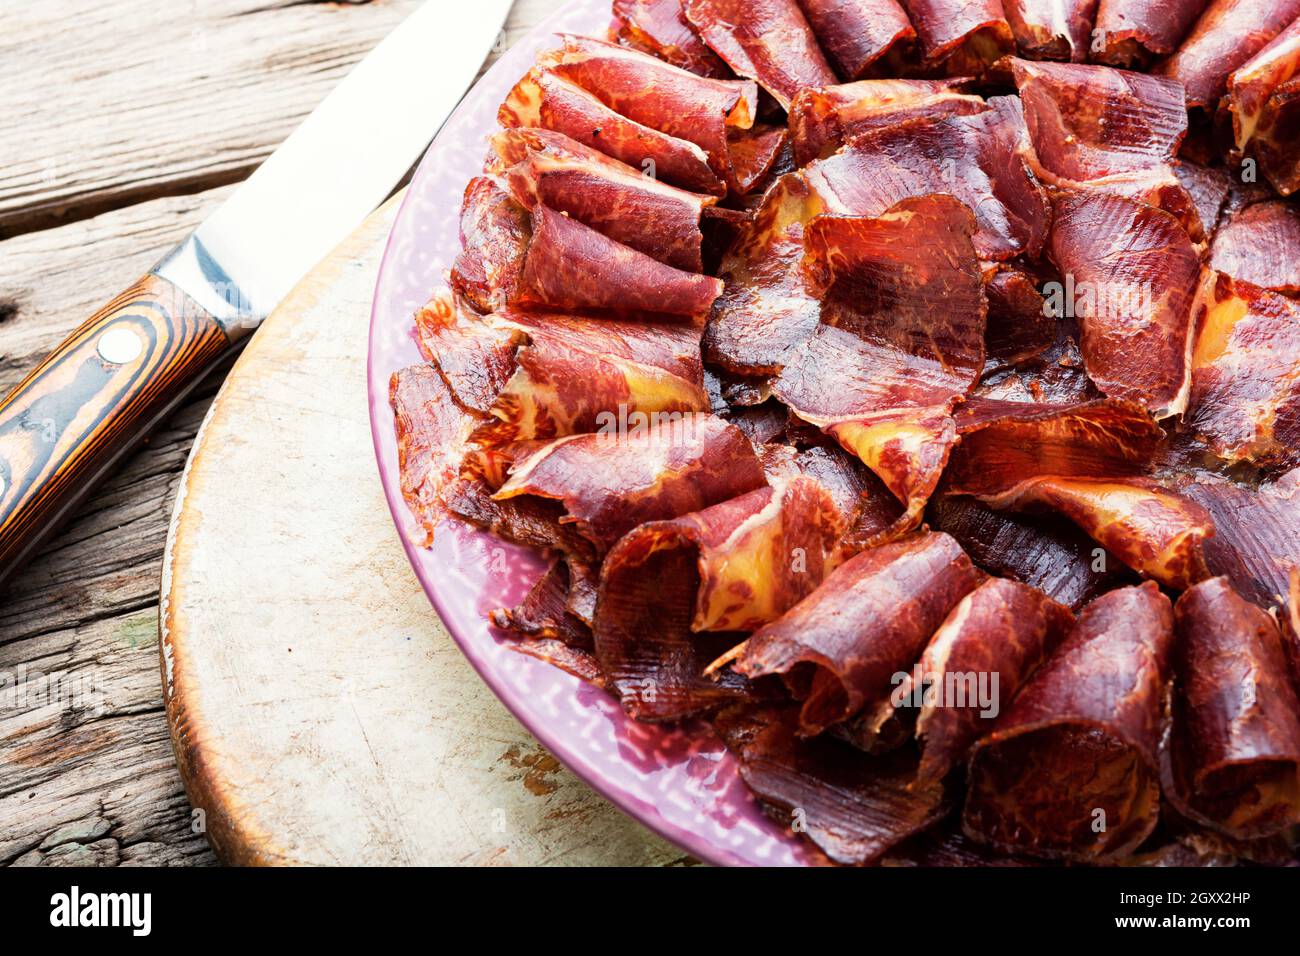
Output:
x=78 y=412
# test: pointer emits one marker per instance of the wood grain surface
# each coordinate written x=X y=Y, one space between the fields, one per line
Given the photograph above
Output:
x=92 y=778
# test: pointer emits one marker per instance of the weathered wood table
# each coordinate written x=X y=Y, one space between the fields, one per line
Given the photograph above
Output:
x=121 y=126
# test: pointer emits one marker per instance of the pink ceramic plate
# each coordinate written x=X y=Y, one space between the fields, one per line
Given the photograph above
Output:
x=680 y=782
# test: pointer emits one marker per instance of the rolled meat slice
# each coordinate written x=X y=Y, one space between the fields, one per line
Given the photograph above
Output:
x=1086 y=462
x=1130 y=273
x=546 y=101
x=1252 y=84
x=853 y=807
x=494 y=233
x=856 y=34
x=1071 y=770
x=840 y=647
x=977 y=660
x=1233 y=757
x=765 y=40
x=1277 y=138
x=659 y=95
x=1132 y=33
x=1051 y=29
x=543 y=167
x=432 y=435
x=824 y=119
x=1261 y=245
x=962 y=37
x=660 y=28
x=674 y=593
x=1245 y=394
x=611 y=481
x=570 y=266
x=1225 y=36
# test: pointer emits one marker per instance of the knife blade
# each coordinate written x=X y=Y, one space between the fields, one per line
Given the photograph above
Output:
x=117 y=376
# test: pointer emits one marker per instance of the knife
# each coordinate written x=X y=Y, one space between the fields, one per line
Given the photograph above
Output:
x=98 y=394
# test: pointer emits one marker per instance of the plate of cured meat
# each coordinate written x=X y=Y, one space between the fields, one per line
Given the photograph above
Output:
x=866 y=431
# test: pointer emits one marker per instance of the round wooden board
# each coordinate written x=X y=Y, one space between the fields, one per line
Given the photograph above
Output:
x=319 y=711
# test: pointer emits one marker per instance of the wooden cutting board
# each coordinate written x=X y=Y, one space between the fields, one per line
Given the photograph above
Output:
x=319 y=711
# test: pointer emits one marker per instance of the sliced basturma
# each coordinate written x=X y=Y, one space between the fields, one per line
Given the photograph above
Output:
x=611 y=482
x=650 y=658
x=979 y=657
x=754 y=154
x=838 y=649
x=570 y=266
x=432 y=431
x=824 y=119
x=1209 y=188
x=1090 y=121
x=1245 y=398
x=1233 y=758
x=670 y=345
x=544 y=614
x=1044 y=551
x=900 y=339
x=1099 y=130
x=844 y=477
x=852 y=806
x=1277 y=139
x=766 y=308
x=1071 y=769
x=544 y=100
x=1134 y=272
x=660 y=28
x=548 y=168
x=658 y=95
x=907 y=449
x=476 y=358
x=856 y=34
x=1251 y=85
x=1020 y=326
x=531 y=376
x=1051 y=29
x=1257 y=537
x=1261 y=245
x=765 y=40
x=1227 y=35
x=1087 y=463
x=1132 y=33
x=557 y=391
x=494 y=232
x=674 y=593
x=980 y=158
x=961 y=37
x=533 y=523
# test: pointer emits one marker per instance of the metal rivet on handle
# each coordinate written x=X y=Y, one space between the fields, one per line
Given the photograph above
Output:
x=120 y=345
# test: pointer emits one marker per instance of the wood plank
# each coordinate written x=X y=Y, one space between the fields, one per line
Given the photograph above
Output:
x=108 y=103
